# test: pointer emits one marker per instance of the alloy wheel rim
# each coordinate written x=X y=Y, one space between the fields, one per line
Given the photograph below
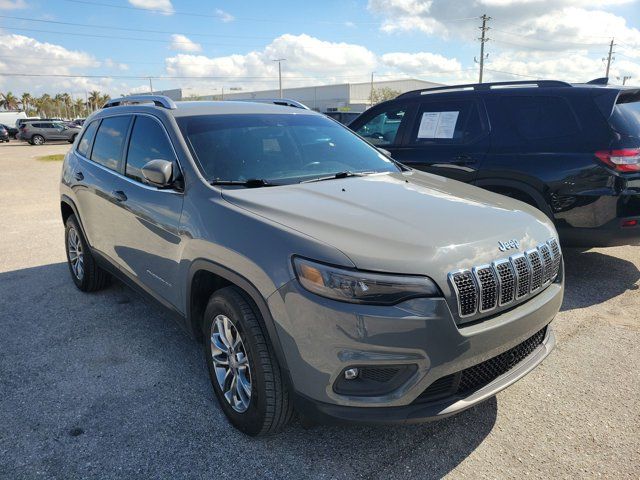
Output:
x=76 y=255
x=230 y=363
x=37 y=141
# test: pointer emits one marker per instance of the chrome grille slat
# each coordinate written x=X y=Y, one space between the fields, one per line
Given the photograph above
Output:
x=484 y=288
x=506 y=281
x=547 y=261
x=488 y=285
x=466 y=291
x=537 y=269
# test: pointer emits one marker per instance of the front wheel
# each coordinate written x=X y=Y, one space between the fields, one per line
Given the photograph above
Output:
x=244 y=372
x=37 y=140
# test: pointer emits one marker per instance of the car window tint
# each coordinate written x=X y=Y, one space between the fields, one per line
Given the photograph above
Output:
x=383 y=128
x=447 y=122
x=84 y=147
x=107 y=148
x=148 y=142
x=541 y=117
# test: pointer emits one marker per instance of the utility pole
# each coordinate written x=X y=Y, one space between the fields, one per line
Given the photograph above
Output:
x=222 y=96
x=150 y=86
x=624 y=79
x=371 y=94
x=280 y=60
x=483 y=39
x=610 y=57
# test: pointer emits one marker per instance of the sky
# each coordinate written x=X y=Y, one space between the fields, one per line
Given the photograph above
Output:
x=203 y=46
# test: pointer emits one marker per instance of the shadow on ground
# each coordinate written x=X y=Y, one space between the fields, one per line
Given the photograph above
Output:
x=582 y=267
x=105 y=385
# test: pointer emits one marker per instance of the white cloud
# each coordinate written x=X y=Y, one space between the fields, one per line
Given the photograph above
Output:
x=184 y=44
x=12 y=4
x=109 y=63
x=421 y=63
x=28 y=55
x=224 y=16
x=163 y=6
x=308 y=61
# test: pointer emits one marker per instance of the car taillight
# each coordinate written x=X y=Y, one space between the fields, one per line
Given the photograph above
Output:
x=623 y=160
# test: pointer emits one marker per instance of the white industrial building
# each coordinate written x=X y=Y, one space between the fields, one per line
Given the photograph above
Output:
x=351 y=98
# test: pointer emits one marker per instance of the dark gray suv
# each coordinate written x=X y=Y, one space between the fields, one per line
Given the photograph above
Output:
x=321 y=276
x=37 y=132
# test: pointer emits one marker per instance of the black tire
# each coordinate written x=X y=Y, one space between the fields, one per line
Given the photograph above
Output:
x=270 y=407
x=37 y=140
x=93 y=277
x=73 y=138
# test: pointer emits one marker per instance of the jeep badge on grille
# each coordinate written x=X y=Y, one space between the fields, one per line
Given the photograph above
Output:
x=508 y=245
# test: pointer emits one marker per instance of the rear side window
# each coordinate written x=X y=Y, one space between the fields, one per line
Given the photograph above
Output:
x=383 y=128
x=84 y=147
x=539 y=117
x=626 y=115
x=109 y=143
x=148 y=142
x=447 y=122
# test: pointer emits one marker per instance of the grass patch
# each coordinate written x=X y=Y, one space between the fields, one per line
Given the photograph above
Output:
x=58 y=157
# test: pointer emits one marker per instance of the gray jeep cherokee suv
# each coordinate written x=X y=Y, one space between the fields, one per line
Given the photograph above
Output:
x=319 y=274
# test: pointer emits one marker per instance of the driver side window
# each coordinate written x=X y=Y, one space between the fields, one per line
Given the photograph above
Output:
x=382 y=129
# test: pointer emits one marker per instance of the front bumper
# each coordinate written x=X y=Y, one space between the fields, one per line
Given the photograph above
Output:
x=321 y=338
x=423 y=412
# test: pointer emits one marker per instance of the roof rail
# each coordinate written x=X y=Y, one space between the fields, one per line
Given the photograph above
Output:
x=157 y=100
x=486 y=86
x=285 y=102
x=599 y=81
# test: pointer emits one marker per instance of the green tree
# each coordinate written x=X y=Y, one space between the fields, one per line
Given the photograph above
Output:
x=9 y=101
x=94 y=99
x=25 y=101
x=382 y=95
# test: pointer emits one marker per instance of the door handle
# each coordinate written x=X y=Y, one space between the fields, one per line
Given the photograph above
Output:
x=79 y=176
x=119 y=196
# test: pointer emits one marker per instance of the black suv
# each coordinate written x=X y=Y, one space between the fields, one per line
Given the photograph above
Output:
x=571 y=150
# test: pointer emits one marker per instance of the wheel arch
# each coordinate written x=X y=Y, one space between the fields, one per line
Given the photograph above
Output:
x=68 y=208
x=205 y=277
x=523 y=192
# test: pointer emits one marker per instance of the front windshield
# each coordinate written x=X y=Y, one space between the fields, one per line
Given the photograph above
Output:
x=277 y=148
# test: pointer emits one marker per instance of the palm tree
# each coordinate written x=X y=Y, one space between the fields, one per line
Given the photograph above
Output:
x=26 y=100
x=94 y=99
x=79 y=107
x=44 y=104
x=9 y=101
x=58 y=100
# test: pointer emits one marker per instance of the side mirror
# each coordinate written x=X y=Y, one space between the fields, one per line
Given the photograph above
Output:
x=384 y=152
x=158 y=172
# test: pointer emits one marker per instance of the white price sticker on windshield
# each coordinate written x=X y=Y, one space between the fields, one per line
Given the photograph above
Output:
x=438 y=124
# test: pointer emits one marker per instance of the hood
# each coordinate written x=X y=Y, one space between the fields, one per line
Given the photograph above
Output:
x=402 y=222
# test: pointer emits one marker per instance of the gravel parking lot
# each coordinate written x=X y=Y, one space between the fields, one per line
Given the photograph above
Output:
x=106 y=385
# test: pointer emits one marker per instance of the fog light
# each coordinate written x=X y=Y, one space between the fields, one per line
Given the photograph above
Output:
x=351 y=373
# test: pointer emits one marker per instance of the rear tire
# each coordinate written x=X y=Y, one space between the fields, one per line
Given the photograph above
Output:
x=85 y=272
x=37 y=140
x=264 y=406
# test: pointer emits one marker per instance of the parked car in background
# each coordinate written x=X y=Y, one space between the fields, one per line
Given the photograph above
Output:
x=37 y=132
x=318 y=274
x=13 y=131
x=570 y=150
x=4 y=134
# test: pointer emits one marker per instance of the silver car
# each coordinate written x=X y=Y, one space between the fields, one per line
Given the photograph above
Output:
x=320 y=276
x=37 y=132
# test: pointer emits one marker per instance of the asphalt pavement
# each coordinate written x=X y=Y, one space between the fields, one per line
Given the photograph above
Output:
x=105 y=385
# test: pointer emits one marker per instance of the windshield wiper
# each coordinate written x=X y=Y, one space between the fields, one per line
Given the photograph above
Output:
x=334 y=176
x=250 y=183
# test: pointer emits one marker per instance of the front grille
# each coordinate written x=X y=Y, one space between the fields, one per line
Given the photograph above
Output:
x=379 y=374
x=484 y=288
x=474 y=378
x=467 y=292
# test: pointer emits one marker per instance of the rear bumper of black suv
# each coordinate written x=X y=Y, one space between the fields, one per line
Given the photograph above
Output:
x=621 y=231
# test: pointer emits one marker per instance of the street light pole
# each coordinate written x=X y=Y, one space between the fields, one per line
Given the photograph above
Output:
x=280 y=60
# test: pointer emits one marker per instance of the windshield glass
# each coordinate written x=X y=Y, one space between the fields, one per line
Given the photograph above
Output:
x=626 y=115
x=278 y=148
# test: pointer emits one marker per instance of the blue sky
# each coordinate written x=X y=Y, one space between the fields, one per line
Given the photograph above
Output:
x=231 y=44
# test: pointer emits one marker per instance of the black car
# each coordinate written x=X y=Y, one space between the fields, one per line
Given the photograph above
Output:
x=4 y=134
x=571 y=150
x=13 y=131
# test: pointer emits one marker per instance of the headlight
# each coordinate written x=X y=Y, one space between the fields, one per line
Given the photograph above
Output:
x=361 y=287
